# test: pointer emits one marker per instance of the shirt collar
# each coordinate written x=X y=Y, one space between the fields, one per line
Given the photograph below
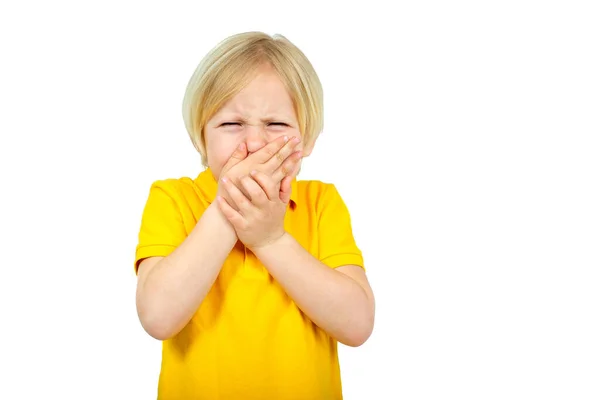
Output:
x=207 y=184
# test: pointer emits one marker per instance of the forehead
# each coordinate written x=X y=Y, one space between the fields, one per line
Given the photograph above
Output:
x=266 y=92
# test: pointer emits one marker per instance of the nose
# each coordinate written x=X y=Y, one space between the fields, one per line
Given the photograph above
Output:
x=255 y=138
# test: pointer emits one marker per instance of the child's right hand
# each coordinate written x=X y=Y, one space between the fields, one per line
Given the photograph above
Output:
x=278 y=159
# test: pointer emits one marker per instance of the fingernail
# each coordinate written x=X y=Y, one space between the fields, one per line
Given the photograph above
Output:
x=285 y=139
x=253 y=172
x=241 y=146
x=296 y=139
x=224 y=179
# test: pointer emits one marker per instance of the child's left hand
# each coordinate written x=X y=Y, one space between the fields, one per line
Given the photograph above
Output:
x=259 y=220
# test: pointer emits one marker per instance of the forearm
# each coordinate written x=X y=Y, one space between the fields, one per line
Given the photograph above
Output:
x=176 y=286
x=332 y=300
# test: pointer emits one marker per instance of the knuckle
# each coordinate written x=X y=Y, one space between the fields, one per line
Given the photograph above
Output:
x=254 y=192
x=262 y=171
x=244 y=201
x=270 y=151
x=263 y=177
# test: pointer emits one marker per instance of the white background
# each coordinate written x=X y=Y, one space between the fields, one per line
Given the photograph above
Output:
x=462 y=135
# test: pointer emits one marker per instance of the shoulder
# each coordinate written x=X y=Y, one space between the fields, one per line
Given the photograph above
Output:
x=317 y=192
x=176 y=192
x=172 y=186
x=314 y=188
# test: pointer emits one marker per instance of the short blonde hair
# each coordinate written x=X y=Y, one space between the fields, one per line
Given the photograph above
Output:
x=231 y=65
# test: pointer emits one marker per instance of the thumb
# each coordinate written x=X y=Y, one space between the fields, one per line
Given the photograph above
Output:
x=285 y=189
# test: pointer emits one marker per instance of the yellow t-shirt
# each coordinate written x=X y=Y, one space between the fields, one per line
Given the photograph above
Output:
x=248 y=339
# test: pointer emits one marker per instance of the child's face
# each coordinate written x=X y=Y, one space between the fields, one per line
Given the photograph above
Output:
x=258 y=114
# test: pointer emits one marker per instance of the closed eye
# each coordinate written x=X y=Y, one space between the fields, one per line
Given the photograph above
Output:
x=279 y=124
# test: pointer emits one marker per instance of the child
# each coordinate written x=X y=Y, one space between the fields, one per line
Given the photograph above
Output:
x=249 y=276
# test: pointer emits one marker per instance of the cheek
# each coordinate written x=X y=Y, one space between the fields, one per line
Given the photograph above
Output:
x=221 y=154
x=219 y=151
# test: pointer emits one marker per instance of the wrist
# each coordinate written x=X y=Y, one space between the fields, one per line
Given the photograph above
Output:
x=270 y=244
x=223 y=226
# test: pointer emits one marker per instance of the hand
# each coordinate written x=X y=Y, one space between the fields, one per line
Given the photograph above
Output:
x=277 y=160
x=258 y=218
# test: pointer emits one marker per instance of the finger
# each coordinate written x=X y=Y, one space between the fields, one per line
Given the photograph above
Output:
x=282 y=155
x=289 y=167
x=285 y=191
x=234 y=217
x=269 y=150
x=240 y=153
x=240 y=201
x=268 y=185
x=256 y=192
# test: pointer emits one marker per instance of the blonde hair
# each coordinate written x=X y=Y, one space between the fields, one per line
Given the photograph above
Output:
x=231 y=65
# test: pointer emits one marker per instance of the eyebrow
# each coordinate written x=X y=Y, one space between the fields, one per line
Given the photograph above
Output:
x=270 y=118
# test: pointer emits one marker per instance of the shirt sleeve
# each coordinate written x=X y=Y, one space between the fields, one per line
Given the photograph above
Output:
x=337 y=246
x=162 y=228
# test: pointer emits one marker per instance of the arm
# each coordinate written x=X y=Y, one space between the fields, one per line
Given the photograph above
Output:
x=340 y=301
x=171 y=289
